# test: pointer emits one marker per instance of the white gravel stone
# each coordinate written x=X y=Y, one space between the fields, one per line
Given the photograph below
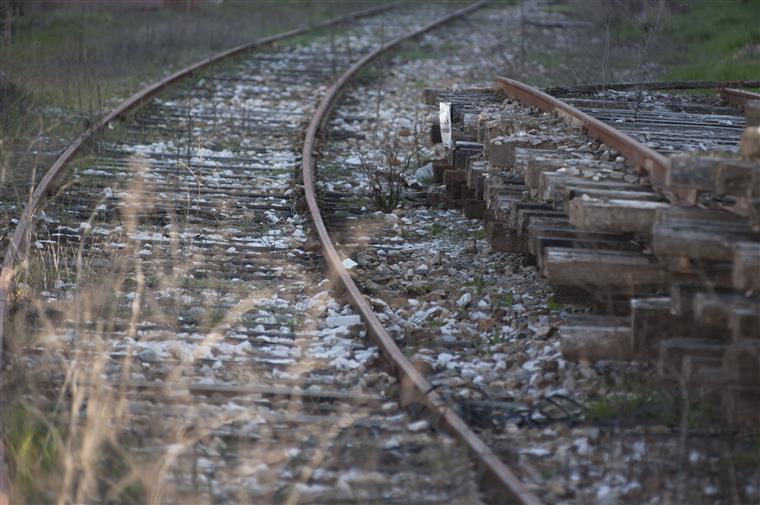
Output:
x=464 y=300
x=343 y=321
x=348 y=263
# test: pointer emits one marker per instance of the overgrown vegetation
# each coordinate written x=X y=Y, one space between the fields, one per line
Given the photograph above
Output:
x=641 y=40
x=62 y=67
x=60 y=422
x=715 y=40
x=689 y=39
x=84 y=55
x=636 y=404
x=33 y=447
x=387 y=177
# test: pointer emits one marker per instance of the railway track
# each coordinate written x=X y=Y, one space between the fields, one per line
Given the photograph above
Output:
x=659 y=157
x=642 y=206
x=171 y=302
x=164 y=289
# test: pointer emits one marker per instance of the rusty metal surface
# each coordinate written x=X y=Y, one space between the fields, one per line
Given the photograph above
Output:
x=503 y=485
x=637 y=153
x=652 y=86
x=738 y=97
x=17 y=249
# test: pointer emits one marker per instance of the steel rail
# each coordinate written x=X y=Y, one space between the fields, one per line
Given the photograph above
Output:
x=499 y=481
x=642 y=157
x=738 y=97
x=653 y=86
x=18 y=247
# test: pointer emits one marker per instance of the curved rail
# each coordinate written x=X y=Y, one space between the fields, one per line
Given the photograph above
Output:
x=17 y=247
x=500 y=481
x=652 y=86
x=738 y=97
x=637 y=153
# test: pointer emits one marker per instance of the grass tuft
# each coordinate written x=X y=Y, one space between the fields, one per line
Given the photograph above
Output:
x=716 y=40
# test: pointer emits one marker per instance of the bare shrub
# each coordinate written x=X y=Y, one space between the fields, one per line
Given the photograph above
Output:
x=388 y=174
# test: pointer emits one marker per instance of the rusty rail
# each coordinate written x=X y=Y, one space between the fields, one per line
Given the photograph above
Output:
x=641 y=156
x=652 y=86
x=738 y=97
x=501 y=484
x=499 y=481
x=18 y=246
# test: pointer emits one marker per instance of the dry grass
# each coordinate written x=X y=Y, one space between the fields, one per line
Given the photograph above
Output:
x=69 y=429
x=73 y=434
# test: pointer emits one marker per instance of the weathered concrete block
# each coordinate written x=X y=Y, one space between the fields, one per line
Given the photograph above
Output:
x=627 y=216
x=692 y=171
x=501 y=152
x=596 y=339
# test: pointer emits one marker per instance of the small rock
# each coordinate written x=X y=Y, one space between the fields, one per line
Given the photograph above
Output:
x=418 y=425
x=443 y=359
x=336 y=321
x=531 y=365
x=389 y=407
x=632 y=490
x=437 y=260
x=581 y=446
x=348 y=263
x=604 y=494
x=549 y=366
x=539 y=452
x=464 y=300
x=148 y=355
x=659 y=429
x=557 y=486
x=424 y=173
x=71 y=337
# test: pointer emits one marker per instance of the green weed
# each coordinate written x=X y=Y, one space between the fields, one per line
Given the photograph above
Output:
x=479 y=284
x=505 y=300
x=33 y=449
x=479 y=234
x=653 y=406
x=415 y=52
x=553 y=305
x=113 y=468
x=497 y=337
x=437 y=323
x=750 y=454
x=436 y=229
x=216 y=316
x=629 y=405
x=550 y=60
x=715 y=40
x=560 y=8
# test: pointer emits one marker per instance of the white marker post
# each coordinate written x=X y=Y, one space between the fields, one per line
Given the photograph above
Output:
x=444 y=118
